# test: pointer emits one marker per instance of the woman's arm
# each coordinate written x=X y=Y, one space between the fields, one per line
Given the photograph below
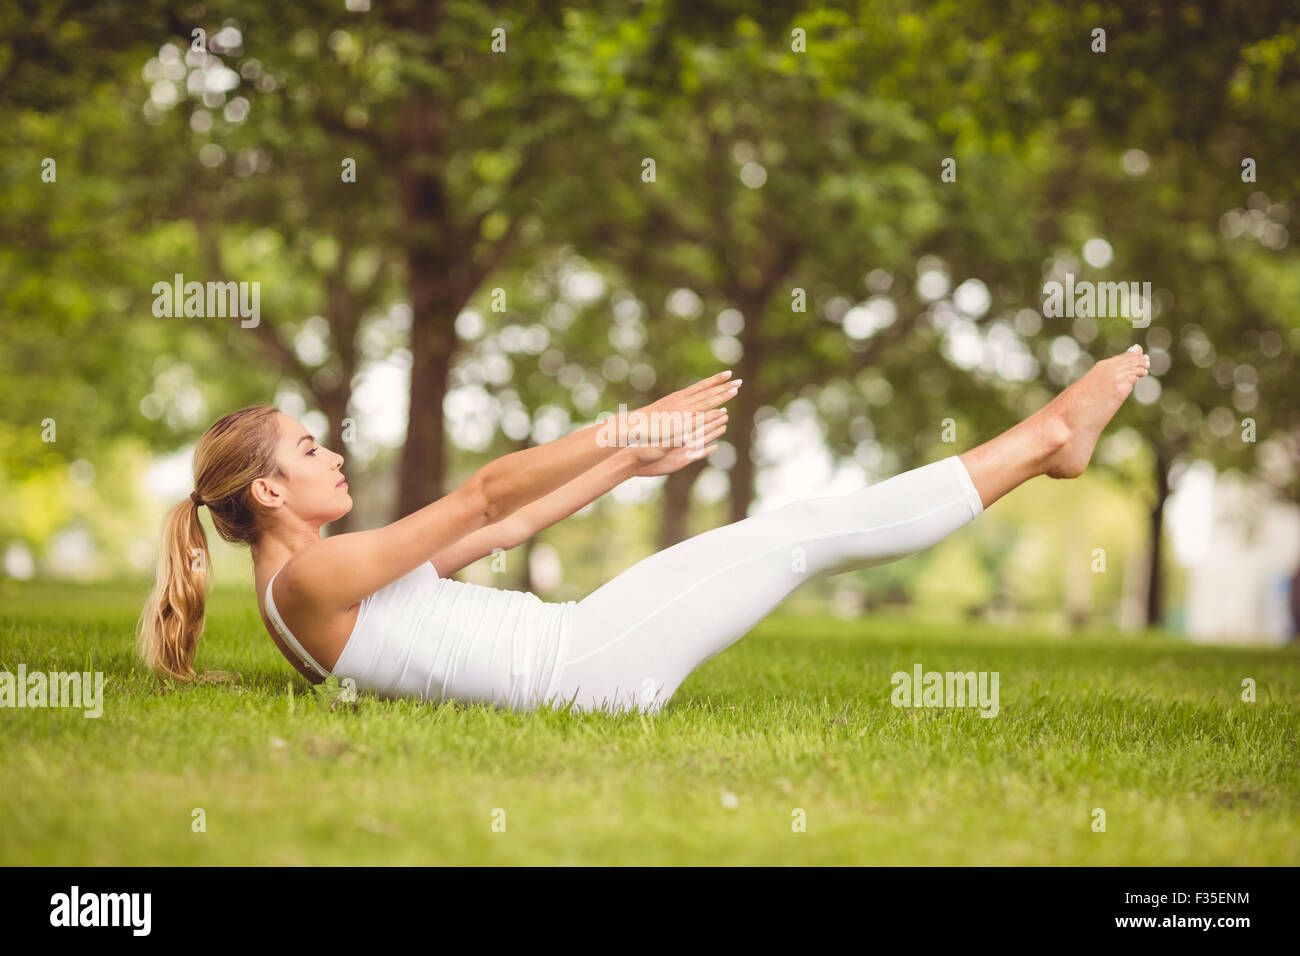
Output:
x=513 y=480
x=514 y=530
x=626 y=463
x=341 y=570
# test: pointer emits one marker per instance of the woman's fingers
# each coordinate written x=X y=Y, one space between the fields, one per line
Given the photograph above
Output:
x=709 y=431
x=703 y=395
x=702 y=424
x=705 y=384
x=697 y=452
x=718 y=424
x=704 y=436
x=696 y=424
x=686 y=428
x=700 y=402
x=727 y=389
x=702 y=384
x=717 y=395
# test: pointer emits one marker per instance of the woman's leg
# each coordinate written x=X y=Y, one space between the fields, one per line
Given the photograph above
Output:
x=637 y=638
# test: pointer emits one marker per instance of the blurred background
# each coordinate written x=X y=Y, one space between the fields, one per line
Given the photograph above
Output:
x=475 y=226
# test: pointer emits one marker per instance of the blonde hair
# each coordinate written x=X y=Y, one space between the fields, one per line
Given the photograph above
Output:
x=231 y=454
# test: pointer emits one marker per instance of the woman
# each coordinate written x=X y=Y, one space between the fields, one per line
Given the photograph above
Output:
x=377 y=607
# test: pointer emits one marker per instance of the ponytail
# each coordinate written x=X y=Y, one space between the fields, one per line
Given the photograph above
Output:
x=172 y=621
x=233 y=453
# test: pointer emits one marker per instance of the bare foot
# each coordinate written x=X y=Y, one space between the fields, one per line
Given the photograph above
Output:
x=1073 y=421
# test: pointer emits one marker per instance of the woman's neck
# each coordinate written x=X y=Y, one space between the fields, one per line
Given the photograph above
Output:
x=274 y=549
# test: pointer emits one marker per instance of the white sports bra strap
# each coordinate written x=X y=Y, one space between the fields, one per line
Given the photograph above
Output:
x=284 y=630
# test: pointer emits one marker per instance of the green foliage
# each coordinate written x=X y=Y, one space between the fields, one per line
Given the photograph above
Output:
x=479 y=171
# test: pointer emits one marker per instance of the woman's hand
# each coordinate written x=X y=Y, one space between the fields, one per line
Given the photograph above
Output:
x=683 y=425
x=654 y=460
x=680 y=416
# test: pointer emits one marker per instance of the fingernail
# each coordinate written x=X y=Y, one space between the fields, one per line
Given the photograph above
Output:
x=727 y=373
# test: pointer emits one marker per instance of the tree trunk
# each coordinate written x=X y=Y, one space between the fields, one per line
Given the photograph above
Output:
x=334 y=404
x=421 y=473
x=1155 y=574
x=334 y=396
x=673 y=524
x=741 y=430
x=742 y=471
x=434 y=270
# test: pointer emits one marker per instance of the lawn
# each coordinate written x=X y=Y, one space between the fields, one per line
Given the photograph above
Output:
x=783 y=750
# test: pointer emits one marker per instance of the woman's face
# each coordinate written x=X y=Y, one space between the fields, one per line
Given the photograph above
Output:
x=313 y=488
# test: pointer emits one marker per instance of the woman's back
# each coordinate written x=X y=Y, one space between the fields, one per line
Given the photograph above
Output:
x=422 y=635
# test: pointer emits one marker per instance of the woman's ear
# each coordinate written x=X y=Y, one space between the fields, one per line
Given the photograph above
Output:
x=265 y=493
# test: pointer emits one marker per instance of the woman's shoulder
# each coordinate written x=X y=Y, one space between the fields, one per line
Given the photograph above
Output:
x=292 y=584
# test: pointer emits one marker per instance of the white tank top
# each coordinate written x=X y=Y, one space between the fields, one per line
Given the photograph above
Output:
x=436 y=638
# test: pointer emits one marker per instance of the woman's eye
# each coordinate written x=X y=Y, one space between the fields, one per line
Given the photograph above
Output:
x=312 y=452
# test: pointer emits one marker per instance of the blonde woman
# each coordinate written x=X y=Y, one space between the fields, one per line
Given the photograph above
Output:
x=378 y=606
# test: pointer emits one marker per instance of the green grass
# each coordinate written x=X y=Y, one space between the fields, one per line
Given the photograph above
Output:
x=796 y=715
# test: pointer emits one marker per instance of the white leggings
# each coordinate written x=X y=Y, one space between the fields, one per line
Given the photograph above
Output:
x=636 y=638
